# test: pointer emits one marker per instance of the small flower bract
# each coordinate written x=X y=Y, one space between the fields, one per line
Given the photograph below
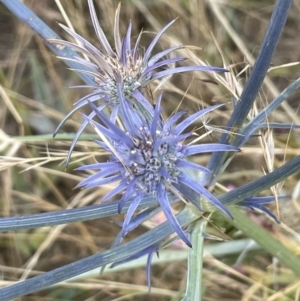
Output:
x=150 y=159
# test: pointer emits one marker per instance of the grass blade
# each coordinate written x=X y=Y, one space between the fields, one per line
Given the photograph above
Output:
x=265 y=239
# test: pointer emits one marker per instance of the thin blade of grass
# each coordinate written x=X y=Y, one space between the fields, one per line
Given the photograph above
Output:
x=265 y=239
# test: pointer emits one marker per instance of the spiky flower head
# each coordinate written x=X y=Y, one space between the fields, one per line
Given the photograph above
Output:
x=150 y=158
x=130 y=66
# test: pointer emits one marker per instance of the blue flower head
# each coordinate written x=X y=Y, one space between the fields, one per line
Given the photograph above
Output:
x=130 y=66
x=150 y=158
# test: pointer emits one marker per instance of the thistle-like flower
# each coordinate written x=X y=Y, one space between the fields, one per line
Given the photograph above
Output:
x=150 y=158
x=131 y=67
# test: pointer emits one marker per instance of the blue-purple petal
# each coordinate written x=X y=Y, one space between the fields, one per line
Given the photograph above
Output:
x=128 y=38
x=186 y=69
x=173 y=119
x=188 y=121
x=100 y=165
x=161 y=64
x=132 y=208
x=130 y=191
x=104 y=181
x=154 y=41
x=98 y=30
x=191 y=183
x=100 y=174
x=166 y=207
x=209 y=147
x=161 y=54
x=121 y=187
x=115 y=131
x=181 y=163
x=156 y=116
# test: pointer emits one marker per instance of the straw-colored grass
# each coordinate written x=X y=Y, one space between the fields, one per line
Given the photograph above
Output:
x=34 y=98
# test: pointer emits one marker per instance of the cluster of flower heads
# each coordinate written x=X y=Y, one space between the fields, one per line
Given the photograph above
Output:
x=129 y=66
x=150 y=158
x=148 y=155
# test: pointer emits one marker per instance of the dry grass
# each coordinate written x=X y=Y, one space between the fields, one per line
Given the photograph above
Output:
x=34 y=98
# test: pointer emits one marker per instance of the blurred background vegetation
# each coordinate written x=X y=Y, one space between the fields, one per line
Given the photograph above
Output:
x=34 y=98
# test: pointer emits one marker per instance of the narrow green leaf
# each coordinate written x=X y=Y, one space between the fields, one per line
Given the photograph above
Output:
x=265 y=239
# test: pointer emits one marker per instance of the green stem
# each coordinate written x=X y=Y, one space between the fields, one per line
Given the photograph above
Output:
x=195 y=261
